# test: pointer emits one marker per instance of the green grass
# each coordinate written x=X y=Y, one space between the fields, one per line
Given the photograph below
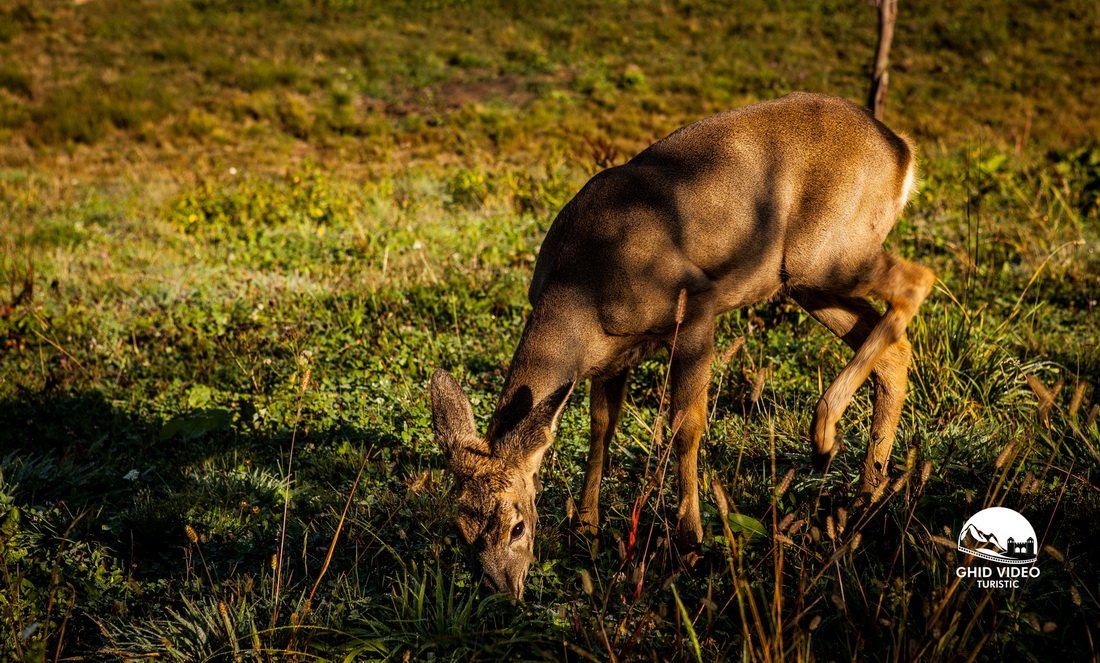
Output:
x=230 y=230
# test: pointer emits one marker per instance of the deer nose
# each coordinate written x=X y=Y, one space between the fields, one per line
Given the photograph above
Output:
x=515 y=585
x=509 y=582
x=517 y=580
x=501 y=582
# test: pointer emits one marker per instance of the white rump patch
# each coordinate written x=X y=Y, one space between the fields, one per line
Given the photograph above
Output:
x=909 y=186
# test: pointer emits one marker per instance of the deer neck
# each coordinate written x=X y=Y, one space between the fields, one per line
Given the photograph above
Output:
x=550 y=353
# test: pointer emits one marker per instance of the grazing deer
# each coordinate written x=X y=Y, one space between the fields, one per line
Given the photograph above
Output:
x=794 y=195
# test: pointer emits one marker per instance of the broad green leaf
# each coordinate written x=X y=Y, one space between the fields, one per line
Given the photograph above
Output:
x=747 y=525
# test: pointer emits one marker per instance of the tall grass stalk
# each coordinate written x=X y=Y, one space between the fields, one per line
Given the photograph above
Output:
x=303 y=386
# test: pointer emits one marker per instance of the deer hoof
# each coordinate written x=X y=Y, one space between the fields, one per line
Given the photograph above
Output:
x=821 y=461
x=823 y=436
x=690 y=534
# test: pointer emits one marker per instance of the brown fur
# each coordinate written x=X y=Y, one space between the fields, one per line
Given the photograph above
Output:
x=794 y=195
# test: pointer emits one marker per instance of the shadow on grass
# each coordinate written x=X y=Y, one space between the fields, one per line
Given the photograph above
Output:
x=145 y=480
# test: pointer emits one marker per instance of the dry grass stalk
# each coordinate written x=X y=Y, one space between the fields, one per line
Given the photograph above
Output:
x=1046 y=397
x=1075 y=401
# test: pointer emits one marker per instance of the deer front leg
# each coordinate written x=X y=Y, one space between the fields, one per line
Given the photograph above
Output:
x=691 y=357
x=605 y=404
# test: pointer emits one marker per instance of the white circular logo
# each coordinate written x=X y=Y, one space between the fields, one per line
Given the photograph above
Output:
x=999 y=535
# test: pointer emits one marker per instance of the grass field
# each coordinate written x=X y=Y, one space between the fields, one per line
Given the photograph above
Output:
x=236 y=238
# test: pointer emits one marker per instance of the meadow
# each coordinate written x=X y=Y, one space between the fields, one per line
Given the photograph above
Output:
x=236 y=238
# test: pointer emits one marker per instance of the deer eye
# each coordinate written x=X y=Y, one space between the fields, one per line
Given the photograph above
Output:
x=517 y=531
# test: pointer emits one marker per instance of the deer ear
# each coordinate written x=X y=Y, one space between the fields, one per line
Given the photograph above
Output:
x=530 y=439
x=549 y=411
x=453 y=423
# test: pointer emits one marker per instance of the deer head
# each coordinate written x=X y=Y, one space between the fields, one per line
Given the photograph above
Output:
x=496 y=481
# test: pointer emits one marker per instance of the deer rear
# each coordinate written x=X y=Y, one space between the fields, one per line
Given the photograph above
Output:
x=792 y=196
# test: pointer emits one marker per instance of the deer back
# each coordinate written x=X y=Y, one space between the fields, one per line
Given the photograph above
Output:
x=787 y=193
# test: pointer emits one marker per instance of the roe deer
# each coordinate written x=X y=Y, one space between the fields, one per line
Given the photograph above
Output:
x=794 y=195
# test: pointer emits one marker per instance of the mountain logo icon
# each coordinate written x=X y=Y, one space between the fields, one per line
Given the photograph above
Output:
x=1000 y=535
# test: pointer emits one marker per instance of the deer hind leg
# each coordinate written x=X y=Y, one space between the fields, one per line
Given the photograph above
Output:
x=605 y=405
x=903 y=285
x=891 y=376
x=852 y=320
x=690 y=377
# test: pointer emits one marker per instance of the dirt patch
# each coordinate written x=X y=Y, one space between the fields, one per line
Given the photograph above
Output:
x=475 y=88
